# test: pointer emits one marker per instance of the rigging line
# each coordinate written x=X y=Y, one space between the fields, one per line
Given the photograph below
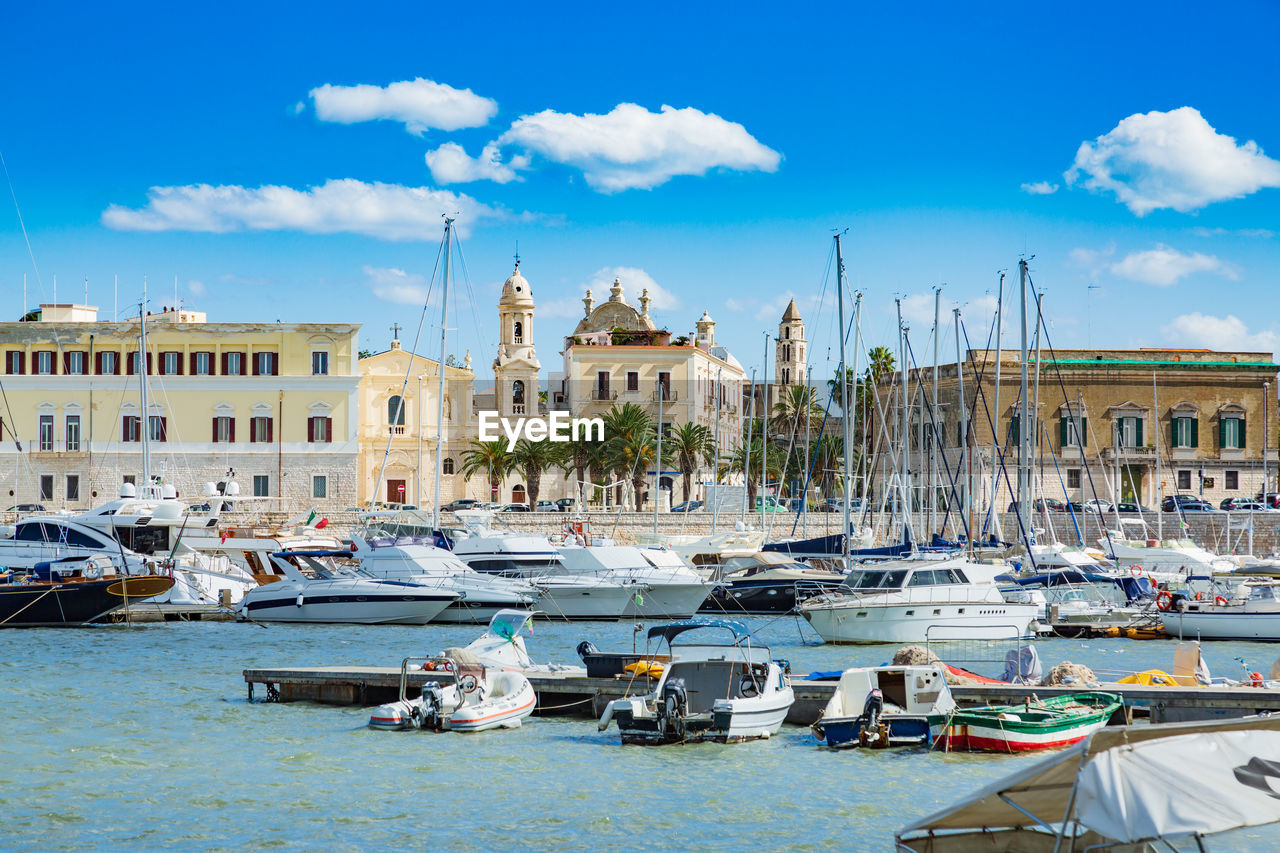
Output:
x=482 y=340
x=21 y=223
x=938 y=437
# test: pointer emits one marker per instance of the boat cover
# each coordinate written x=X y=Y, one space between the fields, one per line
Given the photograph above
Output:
x=833 y=546
x=1133 y=588
x=675 y=629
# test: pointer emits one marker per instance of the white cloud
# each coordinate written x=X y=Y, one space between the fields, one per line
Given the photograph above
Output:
x=449 y=164
x=1172 y=160
x=197 y=287
x=770 y=311
x=746 y=303
x=633 y=148
x=1091 y=259
x=1163 y=266
x=917 y=311
x=386 y=211
x=633 y=280
x=1227 y=333
x=299 y=108
x=1264 y=233
x=420 y=104
x=395 y=285
x=1040 y=188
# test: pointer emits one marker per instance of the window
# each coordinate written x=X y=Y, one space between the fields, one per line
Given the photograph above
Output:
x=157 y=428
x=74 y=364
x=1015 y=429
x=1184 y=480
x=46 y=487
x=44 y=363
x=135 y=363
x=233 y=364
x=395 y=410
x=518 y=337
x=1073 y=431
x=1129 y=432
x=1233 y=480
x=1073 y=478
x=319 y=486
x=319 y=364
x=1186 y=431
x=261 y=486
x=1231 y=432
x=73 y=487
x=224 y=429
x=260 y=429
x=171 y=363
x=73 y=433
x=131 y=429
x=108 y=363
x=46 y=432
x=633 y=380
x=131 y=479
x=664 y=385
x=264 y=364
x=202 y=364
x=602 y=384
x=447 y=465
x=13 y=362
x=786 y=376
x=319 y=429
x=786 y=333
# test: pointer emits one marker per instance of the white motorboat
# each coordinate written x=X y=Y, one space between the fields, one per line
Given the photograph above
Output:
x=882 y=706
x=665 y=588
x=502 y=646
x=459 y=697
x=718 y=692
x=911 y=601
x=1253 y=613
x=314 y=587
x=1164 y=559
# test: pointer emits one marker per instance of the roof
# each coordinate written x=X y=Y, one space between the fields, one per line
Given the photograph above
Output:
x=792 y=313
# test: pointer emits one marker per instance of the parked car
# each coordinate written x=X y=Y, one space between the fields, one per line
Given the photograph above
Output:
x=769 y=504
x=567 y=504
x=461 y=503
x=687 y=506
x=514 y=508
x=1099 y=507
x=1242 y=505
x=547 y=506
x=1041 y=505
x=1271 y=499
x=837 y=505
x=1186 y=503
x=26 y=508
x=1131 y=508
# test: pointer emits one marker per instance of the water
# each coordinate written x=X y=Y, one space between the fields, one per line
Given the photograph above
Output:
x=143 y=738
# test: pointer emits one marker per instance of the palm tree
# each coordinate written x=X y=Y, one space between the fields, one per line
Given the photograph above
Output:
x=749 y=456
x=632 y=455
x=624 y=426
x=837 y=390
x=690 y=443
x=881 y=363
x=491 y=457
x=534 y=457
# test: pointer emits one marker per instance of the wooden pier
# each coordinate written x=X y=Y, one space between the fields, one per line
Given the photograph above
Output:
x=576 y=695
x=140 y=611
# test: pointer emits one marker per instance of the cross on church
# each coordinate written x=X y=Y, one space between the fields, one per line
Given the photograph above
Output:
x=517 y=254
x=395 y=331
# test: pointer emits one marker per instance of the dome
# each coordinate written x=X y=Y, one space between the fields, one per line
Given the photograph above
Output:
x=516 y=290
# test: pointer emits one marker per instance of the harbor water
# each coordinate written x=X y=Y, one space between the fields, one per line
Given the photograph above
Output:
x=143 y=738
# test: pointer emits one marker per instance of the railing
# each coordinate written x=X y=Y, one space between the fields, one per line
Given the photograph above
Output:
x=395 y=430
x=666 y=395
x=517 y=408
x=603 y=394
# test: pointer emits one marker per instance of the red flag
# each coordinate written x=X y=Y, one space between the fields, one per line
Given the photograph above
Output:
x=322 y=524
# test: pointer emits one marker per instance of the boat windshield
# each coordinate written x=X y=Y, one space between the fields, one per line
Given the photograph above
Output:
x=878 y=579
x=934 y=577
x=1265 y=592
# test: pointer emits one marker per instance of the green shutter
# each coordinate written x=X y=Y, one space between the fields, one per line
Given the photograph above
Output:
x=1138 y=432
x=1062 y=433
x=1242 y=434
x=1173 y=431
x=1195 y=432
x=1222 y=432
x=1014 y=431
x=1084 y=433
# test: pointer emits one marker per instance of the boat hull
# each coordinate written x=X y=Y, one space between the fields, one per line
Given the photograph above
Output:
x=574 y=602
x=904 y=730
x=920 y=622
x=1211 y=625
x=764 y=597
x=75 y=603
x=508 y=710
x=667 y=601
x=358 y=609
x=1057 y=722
x=742 y=719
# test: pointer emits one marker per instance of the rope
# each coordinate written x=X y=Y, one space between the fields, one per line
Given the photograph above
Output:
x=566 y=705
x=28 y=604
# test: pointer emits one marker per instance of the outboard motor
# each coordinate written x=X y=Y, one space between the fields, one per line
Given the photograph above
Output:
x=430 y=714
x=873 y=707
x=874 y=733
x=586 y=647
x=673 y=706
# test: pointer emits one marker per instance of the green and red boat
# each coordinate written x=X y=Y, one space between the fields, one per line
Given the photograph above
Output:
x=1035 y=724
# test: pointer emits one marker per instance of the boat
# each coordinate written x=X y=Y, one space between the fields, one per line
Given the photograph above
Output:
x=1130 y=788
x=73 y=591
x=314 y=586
x=1036 y=724
x=665 y=588
x=767 y=582
x=883 y=706
x=1253 y=613
x=723 y=692
x=1164 y=559
x=502 y=646
x=459 y=697
x=919 y=601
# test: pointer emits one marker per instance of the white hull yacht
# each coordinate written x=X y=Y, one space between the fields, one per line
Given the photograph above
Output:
x=665 y=588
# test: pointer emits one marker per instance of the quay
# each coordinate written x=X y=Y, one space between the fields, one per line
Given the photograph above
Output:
x=140 y=611
x=575 y=695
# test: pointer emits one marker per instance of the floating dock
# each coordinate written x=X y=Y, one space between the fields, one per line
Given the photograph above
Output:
x=577 y=695
x=139 y=611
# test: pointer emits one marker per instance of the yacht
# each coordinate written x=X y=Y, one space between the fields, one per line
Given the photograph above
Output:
x=1165 y=559
x=767 y=582
x=665 y=588
x=1252 y=613
x=314 y=586
x=913 y=601
x=74 y=590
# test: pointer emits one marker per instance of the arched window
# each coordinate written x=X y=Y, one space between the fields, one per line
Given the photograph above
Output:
x=786 y=333
x=447 y=465
x=517 y=391
x=519 y=332
x=518 y=495
x=395 y=410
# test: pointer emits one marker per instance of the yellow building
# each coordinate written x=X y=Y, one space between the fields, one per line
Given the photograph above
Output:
x=271 y=405
x=399 y=406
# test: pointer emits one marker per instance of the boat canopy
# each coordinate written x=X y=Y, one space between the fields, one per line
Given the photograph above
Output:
x=1123 y=784
x=330 y=552
x=508 y=623
x=670 y=631
x=1133 y=588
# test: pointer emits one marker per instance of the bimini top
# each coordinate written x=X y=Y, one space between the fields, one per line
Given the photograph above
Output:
x=507 y=623
x=675 y=629
x=327 y=553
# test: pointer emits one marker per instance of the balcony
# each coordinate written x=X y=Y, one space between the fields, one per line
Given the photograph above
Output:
x=517 y=408
x=603 y=395
x=1130 y=454
x=666 y=395
x=395 y=430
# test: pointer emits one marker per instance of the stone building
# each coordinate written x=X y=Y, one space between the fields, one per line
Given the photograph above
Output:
x=1134 y=424
x=790 y=364
x=271 y=405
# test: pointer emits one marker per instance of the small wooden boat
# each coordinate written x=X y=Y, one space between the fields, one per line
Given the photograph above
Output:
x=882 y=706
x=1035 y=724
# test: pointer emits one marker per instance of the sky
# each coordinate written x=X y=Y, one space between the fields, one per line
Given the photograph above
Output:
x=292 y=162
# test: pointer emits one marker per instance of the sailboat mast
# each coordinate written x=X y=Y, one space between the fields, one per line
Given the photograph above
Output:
x=1155 y=431
x=1035 y=403
x=905 y=472
x=933 y=442
x=444 y=334
x=145 y=421
x=846 y=404
x=995 y=428
x=715 y=456
x=764 y=436
x=1024 y=415
x=964 y=439
x=746 y=453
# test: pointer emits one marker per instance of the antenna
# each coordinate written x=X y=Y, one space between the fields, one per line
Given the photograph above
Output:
x=517 y=254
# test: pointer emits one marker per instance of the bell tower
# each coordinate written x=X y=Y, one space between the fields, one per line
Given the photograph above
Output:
x=516 y=367
x=789 y=362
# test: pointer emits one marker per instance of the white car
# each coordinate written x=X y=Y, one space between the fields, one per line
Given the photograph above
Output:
x=1100 y=507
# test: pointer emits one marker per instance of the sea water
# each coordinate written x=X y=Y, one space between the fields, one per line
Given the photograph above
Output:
x=143 y=738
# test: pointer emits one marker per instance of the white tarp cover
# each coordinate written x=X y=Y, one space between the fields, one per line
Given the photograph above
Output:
x=1199 y=783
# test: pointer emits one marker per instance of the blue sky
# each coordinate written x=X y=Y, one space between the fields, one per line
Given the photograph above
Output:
x=922 y=129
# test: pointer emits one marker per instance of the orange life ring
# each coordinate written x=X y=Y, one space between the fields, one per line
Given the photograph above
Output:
x=1135 y=570
x=1255 y=679
x=1199 y=596
x=1219 y=600
x=1164 y=600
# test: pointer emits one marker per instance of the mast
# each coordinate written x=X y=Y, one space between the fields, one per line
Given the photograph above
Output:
x=715 y=456
x=965 y=460
x=847 y=405
x=764 y=437
x=1155 y=430
x=1024 y=414
x=746 y=452
x=808 y=431
x=1035 y=402
x=657 y=465
x=995 y=429
x=145 y=424
x=444 y=333
x=933 y=443
x=905 y=473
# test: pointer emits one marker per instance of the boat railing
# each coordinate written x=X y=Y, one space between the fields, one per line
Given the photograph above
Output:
x=439 y=668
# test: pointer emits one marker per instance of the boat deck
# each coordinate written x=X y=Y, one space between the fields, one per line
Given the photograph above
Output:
x=577 y=695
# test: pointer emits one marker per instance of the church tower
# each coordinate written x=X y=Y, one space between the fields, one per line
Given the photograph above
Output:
x=516 y=367
x=789 y=366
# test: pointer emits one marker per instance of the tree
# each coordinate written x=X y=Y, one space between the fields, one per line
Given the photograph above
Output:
x=881 y=364
x=797 y=404
x=633 y=453
x=748 y=456
x=491 y=457
x=534 y=457
x=690 y=444
x=625 y=427
x=838 y=390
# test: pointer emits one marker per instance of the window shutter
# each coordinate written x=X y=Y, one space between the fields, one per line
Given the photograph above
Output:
x=311 y=430
x=130 y=367
x=1195 y=432
x=66 y=364
x=179 y=360
x=164 y=429
x=151 y=371
x=22 y=362
x=271 y=425
x=1240 y=444
x=97 y=363
x=124 y=428
x=1173 y=431
x=253 y=429
x=1222 y=432
x=275 y=365
x=328 y=429
x=215 y=430
x=192 y=365
x=257 y=361
x=223 y=370
x=231 y=433
x=1138 y=432
x=1084 y=433
x=1062 y=433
